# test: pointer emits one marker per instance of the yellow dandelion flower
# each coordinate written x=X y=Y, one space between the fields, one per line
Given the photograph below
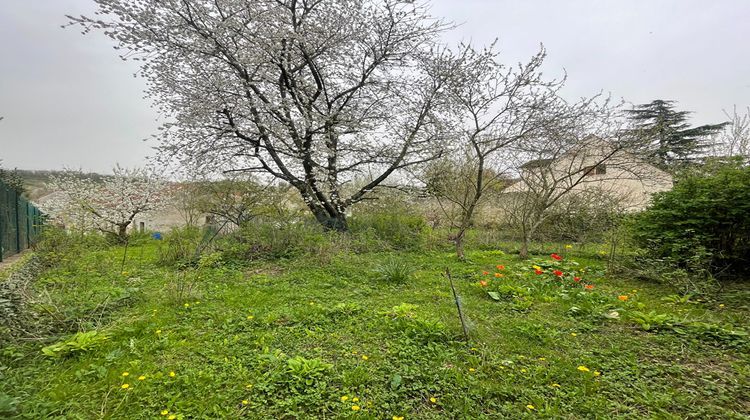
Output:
x=555 y=385
x=142 y=378
x=433 y=400
x=125 y=386
x=248 y=386
x=171 y=417
x=355 y=399
x=197 y=302
x=364 y=357
x=250 y=317
x=164 y=412
x=530 y=407
x=187 y=305
x=356 y=408
x=244 y=402
x=523 y=370
x=125 y=374
x=158 y=331
x=474 y=349
x=568 y=246
x=597 y=373
x=472 y=370
x=721 y=305
x=397 y=418
x=536 y=267
x=172 y=374
x=573 y=334
x=542 y=359
x=583 y=368
x=344 y=397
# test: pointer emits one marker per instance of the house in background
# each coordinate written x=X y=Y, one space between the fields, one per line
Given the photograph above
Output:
x=596 y=168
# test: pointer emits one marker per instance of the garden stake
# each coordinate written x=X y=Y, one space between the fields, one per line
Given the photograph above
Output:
x=458 y=305
x=124 y=255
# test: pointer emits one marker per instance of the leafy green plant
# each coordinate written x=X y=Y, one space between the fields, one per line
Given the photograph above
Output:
x=404 y=310
x=677 y=299
x=394 y=270
x=653 y=321
x=79 y=343
x=507 y=292
x=306 y=370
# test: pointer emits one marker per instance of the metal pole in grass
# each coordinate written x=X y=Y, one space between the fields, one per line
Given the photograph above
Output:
x=124 y=255
x=458 y=305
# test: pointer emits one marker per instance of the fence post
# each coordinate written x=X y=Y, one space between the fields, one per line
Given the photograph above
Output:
x=2 y=217
x=28 y=227
x=18 y=222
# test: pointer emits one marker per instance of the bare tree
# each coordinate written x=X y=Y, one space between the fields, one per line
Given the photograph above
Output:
x=735 y=139
x=492 y=106
x=580 y=145
x=312 y=92
x=240 y=199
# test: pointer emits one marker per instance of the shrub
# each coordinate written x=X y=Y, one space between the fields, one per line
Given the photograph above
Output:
x=701 y=224
x=397 y=225
x=179 y=246
x=56 y=245
x=273 y=239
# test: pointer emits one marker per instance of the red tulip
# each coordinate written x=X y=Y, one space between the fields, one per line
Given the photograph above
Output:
x=501 y=267
x=577 y=279
x=539 y=271
x=589 y=286
x=486 y=273
x=556 y=257
x=558 y=273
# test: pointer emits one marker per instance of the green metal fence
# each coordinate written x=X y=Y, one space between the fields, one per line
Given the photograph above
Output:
x=20 y=222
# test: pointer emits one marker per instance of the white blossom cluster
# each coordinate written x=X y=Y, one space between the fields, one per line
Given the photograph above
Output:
x=109 y=204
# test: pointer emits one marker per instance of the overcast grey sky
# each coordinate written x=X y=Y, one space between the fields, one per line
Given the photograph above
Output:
x=68 y=100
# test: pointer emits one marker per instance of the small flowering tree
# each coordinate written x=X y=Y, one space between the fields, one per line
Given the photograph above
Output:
x=110 y=204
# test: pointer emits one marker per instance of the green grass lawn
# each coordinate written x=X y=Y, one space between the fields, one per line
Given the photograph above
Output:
x=330 y=337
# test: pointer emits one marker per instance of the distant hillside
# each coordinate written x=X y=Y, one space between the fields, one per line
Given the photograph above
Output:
x=36 y=181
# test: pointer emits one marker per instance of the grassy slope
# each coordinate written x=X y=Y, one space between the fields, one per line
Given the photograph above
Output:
x=228 y=333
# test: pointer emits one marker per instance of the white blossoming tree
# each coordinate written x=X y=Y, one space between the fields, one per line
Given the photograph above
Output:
x=315 y=93
x=109 y=204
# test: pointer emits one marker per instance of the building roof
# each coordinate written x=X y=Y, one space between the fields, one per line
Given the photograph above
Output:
x=537 y=163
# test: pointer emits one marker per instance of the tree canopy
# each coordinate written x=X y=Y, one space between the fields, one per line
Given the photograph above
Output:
x=667 y=135
x=312 y=92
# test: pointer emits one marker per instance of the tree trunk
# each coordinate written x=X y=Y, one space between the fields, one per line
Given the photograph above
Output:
x=336 y=222
x=459 y=241
x=524 y=252
x=122 y=232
